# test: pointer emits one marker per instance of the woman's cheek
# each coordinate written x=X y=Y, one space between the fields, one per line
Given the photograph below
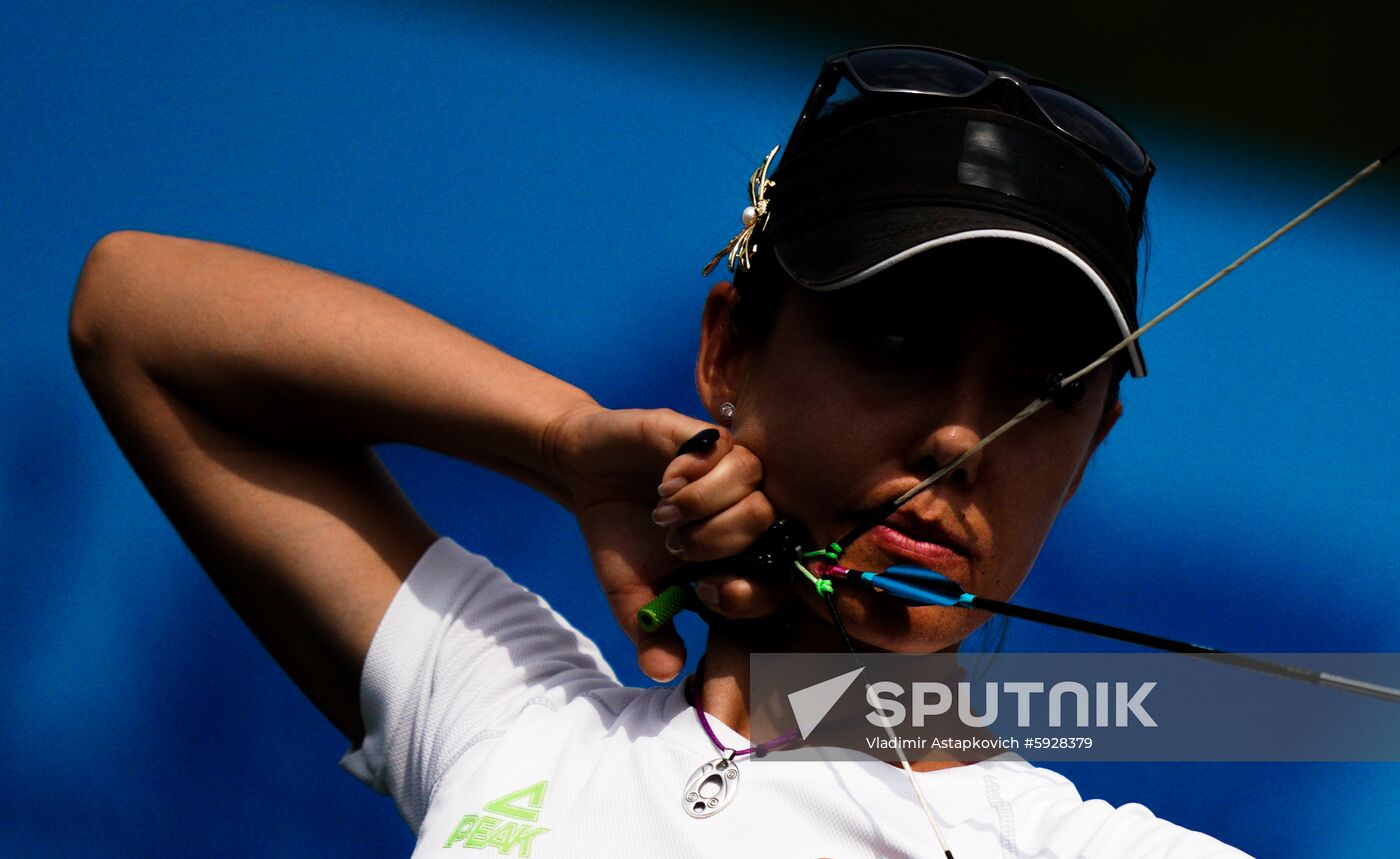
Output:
x=828 y=478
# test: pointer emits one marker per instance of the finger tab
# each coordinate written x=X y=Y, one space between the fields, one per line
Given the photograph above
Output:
x=700 y=442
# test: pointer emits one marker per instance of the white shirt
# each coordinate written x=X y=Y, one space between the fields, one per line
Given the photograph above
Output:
x=499 y=728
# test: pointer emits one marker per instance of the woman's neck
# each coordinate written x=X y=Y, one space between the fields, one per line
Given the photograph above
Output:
x=730 y=644
x=726 y=670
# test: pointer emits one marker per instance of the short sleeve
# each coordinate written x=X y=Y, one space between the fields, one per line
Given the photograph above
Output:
x=461 y=651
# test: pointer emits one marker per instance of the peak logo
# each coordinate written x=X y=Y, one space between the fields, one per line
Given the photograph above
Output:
x=509 y=827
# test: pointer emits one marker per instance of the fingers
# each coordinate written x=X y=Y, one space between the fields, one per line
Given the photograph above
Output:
x=701 y=485
x=741 y=598
x=713 y=508
x=725 y=534
x=676 y=438
x=694 y=458
x=661 y=654
x=712 y=505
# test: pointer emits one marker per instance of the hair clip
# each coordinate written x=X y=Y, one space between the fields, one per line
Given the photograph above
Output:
x=754 y=216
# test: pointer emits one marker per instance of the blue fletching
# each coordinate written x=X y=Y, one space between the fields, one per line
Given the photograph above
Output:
x=909 y=593
x=916 y=585
x=925 y=578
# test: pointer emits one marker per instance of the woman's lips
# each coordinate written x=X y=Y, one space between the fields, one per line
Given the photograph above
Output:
x=934 y=556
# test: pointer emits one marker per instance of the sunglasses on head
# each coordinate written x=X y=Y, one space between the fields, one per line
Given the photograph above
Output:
x=920 y=72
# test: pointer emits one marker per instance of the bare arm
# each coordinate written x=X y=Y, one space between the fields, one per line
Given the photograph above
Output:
x=245 y=391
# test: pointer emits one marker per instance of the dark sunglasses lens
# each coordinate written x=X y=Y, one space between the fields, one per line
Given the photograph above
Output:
x=1082 y=121
x=909 y=70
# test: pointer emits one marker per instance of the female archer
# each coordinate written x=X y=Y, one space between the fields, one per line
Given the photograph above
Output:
x=941 y=241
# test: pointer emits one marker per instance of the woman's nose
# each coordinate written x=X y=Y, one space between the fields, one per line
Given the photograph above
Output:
x=945 y=445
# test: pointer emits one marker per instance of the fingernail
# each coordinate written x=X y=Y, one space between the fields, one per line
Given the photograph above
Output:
x=701 y=441
x=671 y=487
x=666 y=514
x=707 y=592
x=673 y=544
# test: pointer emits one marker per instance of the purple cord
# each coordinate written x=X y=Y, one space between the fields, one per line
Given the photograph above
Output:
x=699 y=704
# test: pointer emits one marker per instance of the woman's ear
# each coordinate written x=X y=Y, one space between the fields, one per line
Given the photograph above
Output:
x=720 y=365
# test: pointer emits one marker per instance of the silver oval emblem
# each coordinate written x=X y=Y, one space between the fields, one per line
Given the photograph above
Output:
x=711 y=787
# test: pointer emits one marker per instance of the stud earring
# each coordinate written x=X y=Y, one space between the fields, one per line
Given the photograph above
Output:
x=726 y=411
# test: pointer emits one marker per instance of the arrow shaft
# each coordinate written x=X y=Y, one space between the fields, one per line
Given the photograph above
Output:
x=1103 y=630
x=947 y=593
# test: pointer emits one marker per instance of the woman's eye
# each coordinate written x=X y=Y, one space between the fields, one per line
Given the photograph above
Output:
x=893 y=344
x=1051 y=386
x=884 y=345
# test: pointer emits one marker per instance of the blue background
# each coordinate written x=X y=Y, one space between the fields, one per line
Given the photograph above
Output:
x=552 y=180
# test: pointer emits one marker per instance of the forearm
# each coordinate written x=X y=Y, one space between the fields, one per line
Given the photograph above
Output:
x=292 y=355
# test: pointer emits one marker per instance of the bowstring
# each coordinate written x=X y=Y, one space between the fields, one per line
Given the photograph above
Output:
x=884 y=511
x=889 y=730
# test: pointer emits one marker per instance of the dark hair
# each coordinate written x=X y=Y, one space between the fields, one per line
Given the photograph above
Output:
x=761 y=290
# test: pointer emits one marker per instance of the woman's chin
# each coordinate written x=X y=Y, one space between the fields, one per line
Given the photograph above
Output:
x=875 y=622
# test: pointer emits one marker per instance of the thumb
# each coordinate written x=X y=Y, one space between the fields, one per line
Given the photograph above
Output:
x=661 y=654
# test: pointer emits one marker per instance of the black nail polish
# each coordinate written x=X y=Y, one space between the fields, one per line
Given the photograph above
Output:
x=701 y=441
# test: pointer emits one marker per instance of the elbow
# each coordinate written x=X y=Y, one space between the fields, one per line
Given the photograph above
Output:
x=97 y=296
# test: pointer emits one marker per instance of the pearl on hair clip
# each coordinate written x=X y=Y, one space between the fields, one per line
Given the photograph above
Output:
x=754 y=216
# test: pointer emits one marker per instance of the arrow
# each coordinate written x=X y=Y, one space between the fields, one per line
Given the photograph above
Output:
x=927 y=587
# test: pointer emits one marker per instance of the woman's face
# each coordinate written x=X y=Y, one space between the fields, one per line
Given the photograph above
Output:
x=853 y=397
